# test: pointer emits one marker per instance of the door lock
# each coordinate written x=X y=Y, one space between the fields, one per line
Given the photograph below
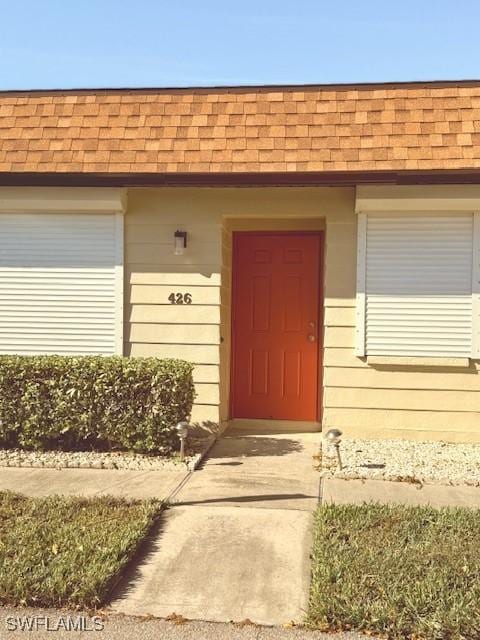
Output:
x=311 y=337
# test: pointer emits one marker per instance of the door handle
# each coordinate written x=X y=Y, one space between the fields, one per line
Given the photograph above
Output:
x=311 y=337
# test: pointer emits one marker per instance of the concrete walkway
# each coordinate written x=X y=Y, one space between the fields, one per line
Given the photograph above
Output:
x=338 y=491
x=90 y=482
x=236 y=543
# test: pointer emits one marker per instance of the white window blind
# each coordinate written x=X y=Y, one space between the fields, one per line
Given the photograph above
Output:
x=59 y=283
x=418 y=285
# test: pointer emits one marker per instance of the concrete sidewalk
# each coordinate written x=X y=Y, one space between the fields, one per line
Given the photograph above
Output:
x=91 y=482
x=236 y=543
x=339 y=491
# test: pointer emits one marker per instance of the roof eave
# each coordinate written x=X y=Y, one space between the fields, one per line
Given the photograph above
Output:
x=234 y=179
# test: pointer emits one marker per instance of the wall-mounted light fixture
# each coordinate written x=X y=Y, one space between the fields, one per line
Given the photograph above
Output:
x=180 y=245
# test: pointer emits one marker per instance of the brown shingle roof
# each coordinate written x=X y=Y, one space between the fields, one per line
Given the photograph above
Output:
x=418 y=127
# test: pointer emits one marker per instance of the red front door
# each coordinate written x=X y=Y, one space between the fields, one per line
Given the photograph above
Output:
x=275 y=325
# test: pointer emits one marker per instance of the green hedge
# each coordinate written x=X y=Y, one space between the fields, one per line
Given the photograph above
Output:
x=90 y=402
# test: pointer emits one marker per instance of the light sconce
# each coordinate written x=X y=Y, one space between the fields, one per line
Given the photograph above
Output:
x=180 y=242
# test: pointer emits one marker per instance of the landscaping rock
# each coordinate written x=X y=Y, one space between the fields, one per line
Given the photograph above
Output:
x=199 y=442
x=86 y=460
x=103 y=460
x=404 y=460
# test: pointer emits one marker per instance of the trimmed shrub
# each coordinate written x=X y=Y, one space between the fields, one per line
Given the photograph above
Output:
x=93 y=402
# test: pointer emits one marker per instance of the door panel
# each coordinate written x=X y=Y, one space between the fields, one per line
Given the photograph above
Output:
x=275 y=318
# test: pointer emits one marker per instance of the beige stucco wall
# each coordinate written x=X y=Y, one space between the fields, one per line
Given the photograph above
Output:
x=414 y=401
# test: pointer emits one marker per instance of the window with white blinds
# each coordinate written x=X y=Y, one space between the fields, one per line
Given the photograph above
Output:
x=61 y=283
x=416 y=288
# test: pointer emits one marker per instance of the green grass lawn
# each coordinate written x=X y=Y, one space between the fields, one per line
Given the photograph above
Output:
x=403 y=572
x=67 y=551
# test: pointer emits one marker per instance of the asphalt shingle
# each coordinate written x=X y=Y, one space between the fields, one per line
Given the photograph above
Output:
x=419 y=127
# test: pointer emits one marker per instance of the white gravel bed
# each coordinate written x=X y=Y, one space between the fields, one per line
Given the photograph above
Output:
x=404 y=460
x=88 y=460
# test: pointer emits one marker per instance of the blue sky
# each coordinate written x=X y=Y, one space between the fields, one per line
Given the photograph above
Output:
x=128 y=43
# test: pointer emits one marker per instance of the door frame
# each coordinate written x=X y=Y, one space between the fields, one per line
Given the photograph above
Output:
x=321 y=328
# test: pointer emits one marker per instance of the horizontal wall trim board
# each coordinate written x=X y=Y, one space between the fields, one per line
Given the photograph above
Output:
x=62 y=200
x=197 y=354
x=418 y=434
x=417 y=361
x=207 y=393
x=206 y=373
x=64 y=351
x=400 y=400
x=344 y=357
x=173 y=313
x=205 y=413
x=437 y=199
x=420 y=380
x=158 y=294
x=162 y=254
x=331 y=301
x=188 y=275
x=173 y=333
x=162 y=234
x=357 y=419
x=339 y=317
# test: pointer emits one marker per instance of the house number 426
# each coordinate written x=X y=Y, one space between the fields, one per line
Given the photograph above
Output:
x=180 y=298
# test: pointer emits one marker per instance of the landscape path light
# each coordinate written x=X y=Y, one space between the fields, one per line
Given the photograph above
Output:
x=333 y=436
x=182 y=430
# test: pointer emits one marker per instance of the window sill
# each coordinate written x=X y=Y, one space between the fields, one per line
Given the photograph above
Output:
x=417 y=361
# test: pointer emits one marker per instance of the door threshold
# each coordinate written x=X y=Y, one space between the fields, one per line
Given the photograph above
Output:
x=274 y=426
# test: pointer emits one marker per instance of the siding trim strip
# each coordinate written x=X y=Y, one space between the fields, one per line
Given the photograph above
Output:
x=119 y=279
x=361 y=285
x=476 y=287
